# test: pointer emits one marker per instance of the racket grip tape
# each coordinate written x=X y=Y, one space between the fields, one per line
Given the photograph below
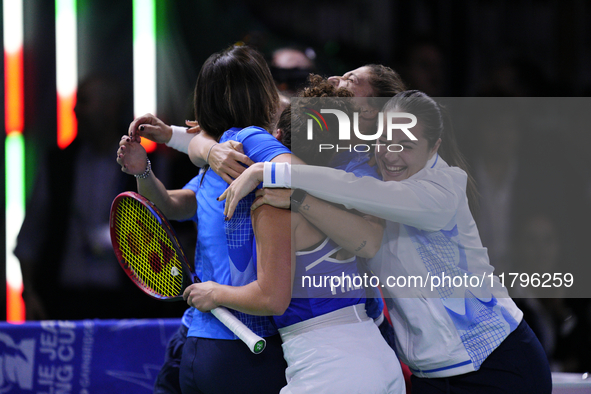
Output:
x=255 y=343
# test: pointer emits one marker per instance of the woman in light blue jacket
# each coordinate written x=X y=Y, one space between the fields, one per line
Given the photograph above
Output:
x=456 y=327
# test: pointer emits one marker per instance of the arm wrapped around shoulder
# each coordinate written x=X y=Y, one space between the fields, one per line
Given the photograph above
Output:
x=428 y=200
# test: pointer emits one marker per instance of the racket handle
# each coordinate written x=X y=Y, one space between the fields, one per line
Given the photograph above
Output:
x=255 y=343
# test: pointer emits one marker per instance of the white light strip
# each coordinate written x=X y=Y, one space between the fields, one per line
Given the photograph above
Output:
x=13 y=25
x=65 y=45
x=144 y=57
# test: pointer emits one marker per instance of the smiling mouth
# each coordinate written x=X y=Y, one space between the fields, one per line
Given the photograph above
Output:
x=395 y=170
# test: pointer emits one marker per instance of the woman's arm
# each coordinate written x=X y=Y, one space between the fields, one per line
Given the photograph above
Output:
x=360 y=235
x=174 y=204
x=229 y=159
x=224 y=158
x=429 y=200
x=150 y=127
x=270 y=294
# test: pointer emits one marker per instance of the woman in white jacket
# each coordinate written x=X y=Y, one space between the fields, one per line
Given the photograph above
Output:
x=456 y=327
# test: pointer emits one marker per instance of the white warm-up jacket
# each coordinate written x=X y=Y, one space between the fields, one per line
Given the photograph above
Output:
x=448 y=310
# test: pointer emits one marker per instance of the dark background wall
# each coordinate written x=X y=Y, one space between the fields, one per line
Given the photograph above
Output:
x=541 y=48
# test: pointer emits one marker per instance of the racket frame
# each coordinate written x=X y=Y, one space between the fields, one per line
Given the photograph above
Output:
x=255 y=343
x=188 y=276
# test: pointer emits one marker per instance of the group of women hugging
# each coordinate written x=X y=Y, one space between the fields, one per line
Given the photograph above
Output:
x=392 y=212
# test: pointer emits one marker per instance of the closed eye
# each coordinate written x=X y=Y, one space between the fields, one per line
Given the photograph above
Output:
x=350 y=78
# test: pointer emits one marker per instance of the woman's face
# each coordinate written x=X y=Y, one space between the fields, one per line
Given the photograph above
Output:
x=397 y=166
x=356 y=81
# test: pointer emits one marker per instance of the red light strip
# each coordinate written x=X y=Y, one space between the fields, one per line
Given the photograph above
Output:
x=13 y=88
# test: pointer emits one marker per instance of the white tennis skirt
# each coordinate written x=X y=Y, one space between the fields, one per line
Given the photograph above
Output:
x=341 y=358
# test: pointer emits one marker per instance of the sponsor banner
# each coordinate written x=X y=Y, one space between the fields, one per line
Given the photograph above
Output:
x=89 y=356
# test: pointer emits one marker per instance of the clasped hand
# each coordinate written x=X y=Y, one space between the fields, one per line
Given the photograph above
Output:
x=201 y=296
x=131 y=156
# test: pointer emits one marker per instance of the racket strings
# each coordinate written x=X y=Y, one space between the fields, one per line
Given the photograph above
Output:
x=148 y=250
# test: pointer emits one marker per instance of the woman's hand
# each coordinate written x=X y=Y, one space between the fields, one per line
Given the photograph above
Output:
x=226 y=158
x=244 y=184
x=278 y=198
x=150 y=127
x=131 y=156
x=201 y=296
x=194 y=127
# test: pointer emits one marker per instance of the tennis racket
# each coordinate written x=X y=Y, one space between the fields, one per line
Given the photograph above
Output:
x=150 y=254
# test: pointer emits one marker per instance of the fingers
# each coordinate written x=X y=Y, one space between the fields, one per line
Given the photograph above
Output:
x=146 y=130
x=232 y=169
x=138 y=122
x=232 y=164
x=150 y=127
x=278 y=198
x=228 y=179
x=227 y=207
x=131 y=156
x=223 y=196
x=246 y=160
x=193 y=126
x=227 y=161
x=257 y=203
x=230 y=207
x=120 y=153
x=120 y=156
x=239 y=155
x=133 y=126
x=237 y=146
x=125 y=140
x=123 y=165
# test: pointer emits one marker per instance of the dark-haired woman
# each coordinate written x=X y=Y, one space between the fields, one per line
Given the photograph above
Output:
x=235 y=100
x=456 y=338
